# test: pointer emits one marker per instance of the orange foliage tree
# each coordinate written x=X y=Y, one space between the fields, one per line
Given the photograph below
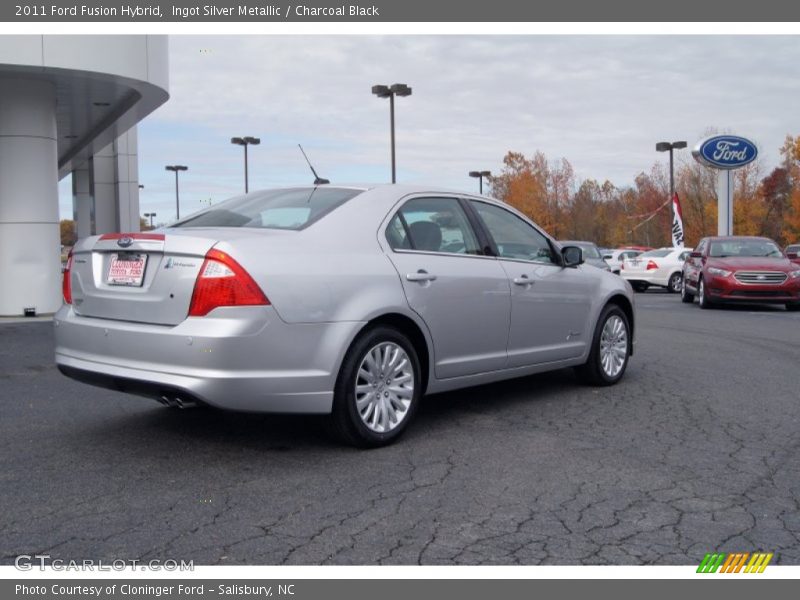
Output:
x=569 y=208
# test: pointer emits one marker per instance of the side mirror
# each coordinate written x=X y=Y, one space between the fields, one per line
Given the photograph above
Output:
x=694 y=254
x=608 y=256
x=572 y=255
x=792 y=255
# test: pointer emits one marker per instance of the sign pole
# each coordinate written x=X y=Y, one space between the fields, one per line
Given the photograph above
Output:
x=723 y=202
x=725 y=153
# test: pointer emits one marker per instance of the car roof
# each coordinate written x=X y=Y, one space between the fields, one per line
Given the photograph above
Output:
x=577 y=242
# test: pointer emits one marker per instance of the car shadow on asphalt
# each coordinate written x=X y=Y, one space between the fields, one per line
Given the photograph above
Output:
x=162 y=428
x=727 y=306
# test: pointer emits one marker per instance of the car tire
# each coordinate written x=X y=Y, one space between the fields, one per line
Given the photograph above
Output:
x=612 y=334
x=686 y=296
x=674 y=284
x=373 y=406
x=640 y=286
x=702 y=298
x=793 y=307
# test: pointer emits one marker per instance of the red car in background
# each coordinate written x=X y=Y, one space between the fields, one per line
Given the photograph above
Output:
x=740 y=269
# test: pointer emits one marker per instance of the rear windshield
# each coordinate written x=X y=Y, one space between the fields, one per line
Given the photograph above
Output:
x=294 y=208
x=590 y=252
x=655 y=253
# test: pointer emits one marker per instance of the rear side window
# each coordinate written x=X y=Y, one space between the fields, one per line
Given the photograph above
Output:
x=294 y=208
x=432 y=225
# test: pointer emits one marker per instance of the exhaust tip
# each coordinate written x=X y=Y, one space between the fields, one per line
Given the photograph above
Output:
x=184 y=403
x=177 y=401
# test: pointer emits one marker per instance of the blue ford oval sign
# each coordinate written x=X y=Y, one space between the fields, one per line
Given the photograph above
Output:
x=725 y=151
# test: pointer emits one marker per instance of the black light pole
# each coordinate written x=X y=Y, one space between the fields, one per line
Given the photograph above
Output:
x=664 y=147
x=245 y=141
x=480 y=175
x=384 y=91
x=177 y=169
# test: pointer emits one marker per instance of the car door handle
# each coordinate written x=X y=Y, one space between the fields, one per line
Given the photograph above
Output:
x=420 y=275
x=523 y=280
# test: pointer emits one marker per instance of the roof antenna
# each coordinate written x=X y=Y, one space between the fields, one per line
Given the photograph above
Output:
x=317 y=179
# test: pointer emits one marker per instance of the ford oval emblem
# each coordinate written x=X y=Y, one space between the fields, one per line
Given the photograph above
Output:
x=124 y=242
x=725 y=151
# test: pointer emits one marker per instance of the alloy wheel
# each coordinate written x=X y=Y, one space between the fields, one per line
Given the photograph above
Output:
x=613 y=346
x=384 y=387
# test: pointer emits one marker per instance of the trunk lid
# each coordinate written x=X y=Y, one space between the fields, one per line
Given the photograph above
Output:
x=636 y=265
x=160 y=293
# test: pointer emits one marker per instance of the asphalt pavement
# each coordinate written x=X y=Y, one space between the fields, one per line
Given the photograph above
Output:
x=696 y=450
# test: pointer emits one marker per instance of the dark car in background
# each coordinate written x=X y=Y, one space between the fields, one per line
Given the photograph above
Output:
x=792 y=251
x=591 y=254
x=740 y=269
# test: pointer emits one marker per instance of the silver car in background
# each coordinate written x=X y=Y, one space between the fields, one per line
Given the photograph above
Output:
x=353 y=302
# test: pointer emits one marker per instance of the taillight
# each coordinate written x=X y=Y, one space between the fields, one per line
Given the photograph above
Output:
x=651 y=265
x=223 y=282
x=66 y=284
x=622 y=266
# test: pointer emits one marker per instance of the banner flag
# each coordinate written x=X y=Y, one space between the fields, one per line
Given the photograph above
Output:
x=677 y=222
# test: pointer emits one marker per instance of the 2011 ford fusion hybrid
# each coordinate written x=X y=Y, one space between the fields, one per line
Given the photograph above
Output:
x=352 y=302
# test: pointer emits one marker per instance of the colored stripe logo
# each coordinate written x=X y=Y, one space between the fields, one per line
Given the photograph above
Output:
x=737 y=562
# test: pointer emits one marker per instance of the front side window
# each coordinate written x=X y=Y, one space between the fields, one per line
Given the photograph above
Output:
x=514 y=238
x=432 y=225
x=294 y=208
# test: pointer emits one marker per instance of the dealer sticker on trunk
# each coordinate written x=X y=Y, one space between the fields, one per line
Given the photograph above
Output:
x=126 y=269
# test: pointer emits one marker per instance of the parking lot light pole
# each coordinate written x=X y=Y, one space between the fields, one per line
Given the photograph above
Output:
x=664 y=147
x=480 y=175
x=177 y=169
x=246 y=141
x=385 y=91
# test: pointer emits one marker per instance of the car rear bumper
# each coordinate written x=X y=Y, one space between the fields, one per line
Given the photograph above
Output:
x=242 y=358
x=645 y=277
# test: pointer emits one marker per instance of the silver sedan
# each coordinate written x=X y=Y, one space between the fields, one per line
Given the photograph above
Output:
x=353 y=302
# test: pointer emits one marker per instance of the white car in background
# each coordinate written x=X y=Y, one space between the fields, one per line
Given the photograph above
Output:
x=662 y=267
x=614 y=258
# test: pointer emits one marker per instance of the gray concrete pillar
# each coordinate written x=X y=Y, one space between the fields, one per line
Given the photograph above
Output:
x=114 y=174
x=104 y=191
x=127 y=170
x=30 y=248
x=82 y=202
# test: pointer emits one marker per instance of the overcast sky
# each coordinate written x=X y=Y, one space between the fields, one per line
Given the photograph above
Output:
x=602 y=102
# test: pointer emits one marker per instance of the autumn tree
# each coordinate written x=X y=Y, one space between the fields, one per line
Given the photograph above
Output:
x=68 y=234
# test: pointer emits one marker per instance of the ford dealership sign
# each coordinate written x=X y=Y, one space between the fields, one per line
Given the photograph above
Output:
x=725 y=151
